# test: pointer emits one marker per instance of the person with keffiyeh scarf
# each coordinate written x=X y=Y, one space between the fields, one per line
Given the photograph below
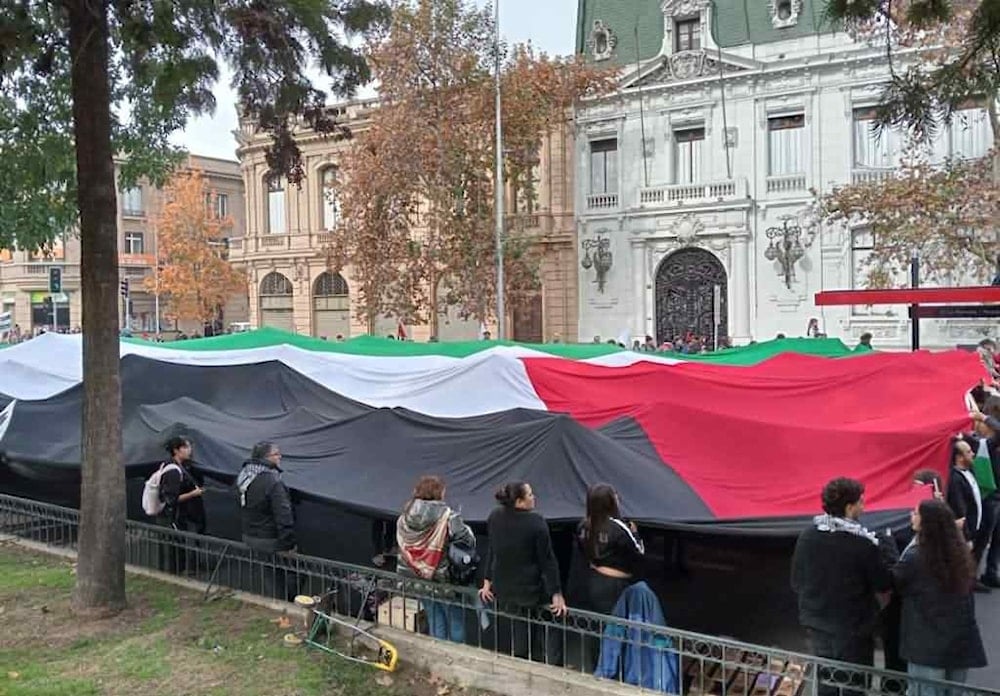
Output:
x=840 y=572
x=423 y=533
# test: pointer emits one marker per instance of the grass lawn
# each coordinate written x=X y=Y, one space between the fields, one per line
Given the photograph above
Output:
x=169 y=641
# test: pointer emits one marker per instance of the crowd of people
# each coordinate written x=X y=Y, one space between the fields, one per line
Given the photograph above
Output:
x=853 y=585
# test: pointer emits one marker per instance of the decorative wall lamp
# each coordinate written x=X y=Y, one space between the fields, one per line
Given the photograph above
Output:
x=600 y=260
x=788 y=249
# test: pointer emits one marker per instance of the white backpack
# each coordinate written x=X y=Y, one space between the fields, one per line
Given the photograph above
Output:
x=152 y=503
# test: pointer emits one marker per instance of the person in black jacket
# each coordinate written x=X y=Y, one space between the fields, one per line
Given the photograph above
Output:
x=839 y=572
x=987 y=541
x=266 y=515
x=934 y=577
x=521 y=572
x=613 y=551
x=964 y=497
x=181 y=489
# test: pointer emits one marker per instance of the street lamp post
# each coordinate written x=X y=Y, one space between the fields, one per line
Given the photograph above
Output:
x=501 y=321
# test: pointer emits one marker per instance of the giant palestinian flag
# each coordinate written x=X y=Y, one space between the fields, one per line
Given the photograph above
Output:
x=736 y=445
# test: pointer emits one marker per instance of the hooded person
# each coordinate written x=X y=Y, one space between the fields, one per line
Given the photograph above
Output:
x=265 y=505
x=423 y=532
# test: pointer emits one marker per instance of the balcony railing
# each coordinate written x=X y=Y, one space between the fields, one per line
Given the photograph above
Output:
x=275 y=241
x=866 y=176
x=694 y=193
x=602 y=201
x=787 y=183
x=141 y=260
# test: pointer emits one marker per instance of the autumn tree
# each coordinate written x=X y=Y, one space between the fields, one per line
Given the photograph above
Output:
x=943 y=54
x=132 y=71
x=417 y=197
x=944 y=58
x=192 y=274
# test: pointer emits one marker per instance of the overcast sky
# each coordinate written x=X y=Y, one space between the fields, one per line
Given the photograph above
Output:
x=549 y=24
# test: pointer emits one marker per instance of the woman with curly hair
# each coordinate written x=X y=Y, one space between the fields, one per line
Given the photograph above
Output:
x=936 y=577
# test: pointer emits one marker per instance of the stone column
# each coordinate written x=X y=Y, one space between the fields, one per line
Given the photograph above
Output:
x=739 y=287
x=639 y=288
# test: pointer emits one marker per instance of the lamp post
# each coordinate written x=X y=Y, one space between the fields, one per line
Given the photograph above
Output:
x=501 y=321
x=785 y=247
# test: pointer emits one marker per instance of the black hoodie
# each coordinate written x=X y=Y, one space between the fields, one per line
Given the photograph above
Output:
x=265 y=507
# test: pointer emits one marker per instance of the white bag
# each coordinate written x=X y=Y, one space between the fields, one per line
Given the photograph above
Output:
x=152 y=503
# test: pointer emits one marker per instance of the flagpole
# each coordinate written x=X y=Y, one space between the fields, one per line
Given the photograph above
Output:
x=498 y=184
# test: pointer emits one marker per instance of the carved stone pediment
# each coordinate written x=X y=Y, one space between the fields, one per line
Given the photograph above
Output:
x=685 y=65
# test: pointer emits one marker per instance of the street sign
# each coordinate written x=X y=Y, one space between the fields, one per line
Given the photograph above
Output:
x=990 y=311
x=55 y=280
x=60 y=298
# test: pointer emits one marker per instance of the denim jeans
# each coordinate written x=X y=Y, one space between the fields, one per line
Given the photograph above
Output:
x=952 y=675
x=445 y=621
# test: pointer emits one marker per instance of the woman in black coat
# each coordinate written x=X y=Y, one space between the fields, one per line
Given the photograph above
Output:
x=935 y=577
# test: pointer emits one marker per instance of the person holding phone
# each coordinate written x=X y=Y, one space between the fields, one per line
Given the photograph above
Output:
x=182 y=490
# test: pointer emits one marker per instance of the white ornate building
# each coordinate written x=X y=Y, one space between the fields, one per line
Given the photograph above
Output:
x=698 y=172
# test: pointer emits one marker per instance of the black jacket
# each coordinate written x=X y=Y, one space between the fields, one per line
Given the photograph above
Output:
x=938 y=628
x=836 y=576
x=173 y=484
x=962 y=501
x=266 y=508
x=616 y=547
x=520 y=562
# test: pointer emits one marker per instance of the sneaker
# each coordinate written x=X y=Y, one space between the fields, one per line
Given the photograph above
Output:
x=990 y=580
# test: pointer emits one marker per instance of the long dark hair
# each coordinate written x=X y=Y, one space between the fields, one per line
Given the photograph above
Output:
x=602 y=505
x=943 y=552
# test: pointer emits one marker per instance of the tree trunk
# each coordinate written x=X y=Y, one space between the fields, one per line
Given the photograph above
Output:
x=100 y=576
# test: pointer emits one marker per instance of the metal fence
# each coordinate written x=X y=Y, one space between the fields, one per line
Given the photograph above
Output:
x=656 y=657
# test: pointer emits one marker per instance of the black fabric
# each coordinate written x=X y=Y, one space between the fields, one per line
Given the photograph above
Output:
x=938 y=628
x=268 y=523
x=836 y=576
x=520 y=562
x=362 y=460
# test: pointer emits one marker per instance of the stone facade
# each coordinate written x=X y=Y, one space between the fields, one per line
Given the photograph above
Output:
x=288 y=228
x=706 y=159
x=24 y=276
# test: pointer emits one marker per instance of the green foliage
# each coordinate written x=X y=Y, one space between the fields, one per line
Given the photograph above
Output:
x=165 y=62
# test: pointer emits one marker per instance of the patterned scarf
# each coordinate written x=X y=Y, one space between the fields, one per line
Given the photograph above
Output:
x=251 y=470
x=829 y=523
x=423 y=550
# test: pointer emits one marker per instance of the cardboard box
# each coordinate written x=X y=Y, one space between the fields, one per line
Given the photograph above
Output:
x=401 y=613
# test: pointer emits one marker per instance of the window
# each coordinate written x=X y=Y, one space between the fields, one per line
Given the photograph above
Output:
x=785 y=145
x=604 y=166
x=784 y=9
x=132 y=201
x=688 y=145
x=134 y=243
x=971 y=135
x=871 y=150
x=275 y=206
x=222 y=205
x=328 y=194
x=687 y=35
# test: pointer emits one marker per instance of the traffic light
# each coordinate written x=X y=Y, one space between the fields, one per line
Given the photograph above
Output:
x=123 y=288
x=55 y=280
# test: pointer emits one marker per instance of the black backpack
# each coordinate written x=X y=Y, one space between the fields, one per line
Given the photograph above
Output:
x=463 y=561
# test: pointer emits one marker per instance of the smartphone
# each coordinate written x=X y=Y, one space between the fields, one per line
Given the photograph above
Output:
x=937 y=488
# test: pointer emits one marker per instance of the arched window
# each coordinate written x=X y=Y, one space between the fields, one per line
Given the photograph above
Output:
x=275 y=283
x=275 y=206
x=328 y=197
x=330 y=285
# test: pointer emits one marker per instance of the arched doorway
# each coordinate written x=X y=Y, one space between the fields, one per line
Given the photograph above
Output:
x=685 y=292
x=275 y=302
x=528 y=320
x=331 y=306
